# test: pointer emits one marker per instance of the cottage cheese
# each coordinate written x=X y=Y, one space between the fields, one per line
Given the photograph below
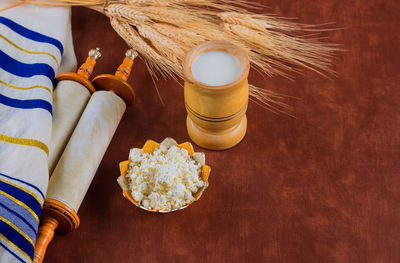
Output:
x=165 y=179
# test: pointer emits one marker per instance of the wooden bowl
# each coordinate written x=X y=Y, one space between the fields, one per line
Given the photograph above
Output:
x=149 y=147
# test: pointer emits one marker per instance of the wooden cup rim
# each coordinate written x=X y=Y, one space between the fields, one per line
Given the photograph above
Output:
x=239 y=53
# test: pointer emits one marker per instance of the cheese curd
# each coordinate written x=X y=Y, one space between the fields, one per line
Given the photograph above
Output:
x=165 y=179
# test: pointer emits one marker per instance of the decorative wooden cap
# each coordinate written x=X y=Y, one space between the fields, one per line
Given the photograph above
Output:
x=67 y=218
x=56 y=216
x=117 y=83
x=84 y=71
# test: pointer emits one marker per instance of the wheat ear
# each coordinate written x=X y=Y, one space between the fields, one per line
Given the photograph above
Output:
x=126 y=13
x=156 y=62
x=163 y=44
x=181 y=36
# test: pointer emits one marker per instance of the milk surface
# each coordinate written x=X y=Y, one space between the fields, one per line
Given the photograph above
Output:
x=216 y=68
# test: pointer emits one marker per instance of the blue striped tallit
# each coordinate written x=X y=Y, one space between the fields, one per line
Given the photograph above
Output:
x=35 y=44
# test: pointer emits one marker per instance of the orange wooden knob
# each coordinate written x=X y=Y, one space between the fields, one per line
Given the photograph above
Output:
x=57 y=216
x=124 y=70
x=84 y=71
x=45 y=235
x=117 y=83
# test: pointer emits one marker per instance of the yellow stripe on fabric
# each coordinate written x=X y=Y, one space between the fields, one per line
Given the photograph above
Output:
x=29 y=52
x=14 y=246
x=21 y=204
x=23 y=189
x=27 y=142
x=18 y=230
x=26 y=88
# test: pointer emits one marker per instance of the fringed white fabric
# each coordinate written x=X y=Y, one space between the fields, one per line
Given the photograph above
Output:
x=35 y=45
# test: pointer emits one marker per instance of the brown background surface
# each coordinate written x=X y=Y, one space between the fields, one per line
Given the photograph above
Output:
x=322 y=187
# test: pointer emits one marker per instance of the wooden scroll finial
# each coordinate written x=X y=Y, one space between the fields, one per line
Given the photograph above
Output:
x=87 y=68
x=57 y=216
x=124 y=70
x=84 y=71
x=117 y=83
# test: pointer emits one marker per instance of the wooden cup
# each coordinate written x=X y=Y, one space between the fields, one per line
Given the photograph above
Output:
x=216 y=114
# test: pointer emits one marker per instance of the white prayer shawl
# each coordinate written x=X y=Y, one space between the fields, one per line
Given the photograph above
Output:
x=35 y=45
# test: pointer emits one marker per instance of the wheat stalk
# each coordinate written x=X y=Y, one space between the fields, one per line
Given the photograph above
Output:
x=164 y=45
x=133 y=39
x=184 y=37
x=165 y=2
x=244 y=20
x=162 y=31
x=270 y=100
x=126 y=13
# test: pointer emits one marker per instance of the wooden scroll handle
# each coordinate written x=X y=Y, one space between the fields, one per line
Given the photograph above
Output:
x=45 y=235
x=124 y=70
x=117 y=83
x=86 y=69
x=56 y=216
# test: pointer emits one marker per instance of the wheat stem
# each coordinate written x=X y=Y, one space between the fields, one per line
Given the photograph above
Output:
x=162 y=31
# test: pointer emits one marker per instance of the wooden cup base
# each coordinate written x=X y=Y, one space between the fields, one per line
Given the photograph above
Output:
x=216 y=140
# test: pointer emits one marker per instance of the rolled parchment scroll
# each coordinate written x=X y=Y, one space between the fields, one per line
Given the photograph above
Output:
x=82 y=155
x=70 y=98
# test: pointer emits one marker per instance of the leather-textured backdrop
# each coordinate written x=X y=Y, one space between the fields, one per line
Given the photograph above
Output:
x=321 y=187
